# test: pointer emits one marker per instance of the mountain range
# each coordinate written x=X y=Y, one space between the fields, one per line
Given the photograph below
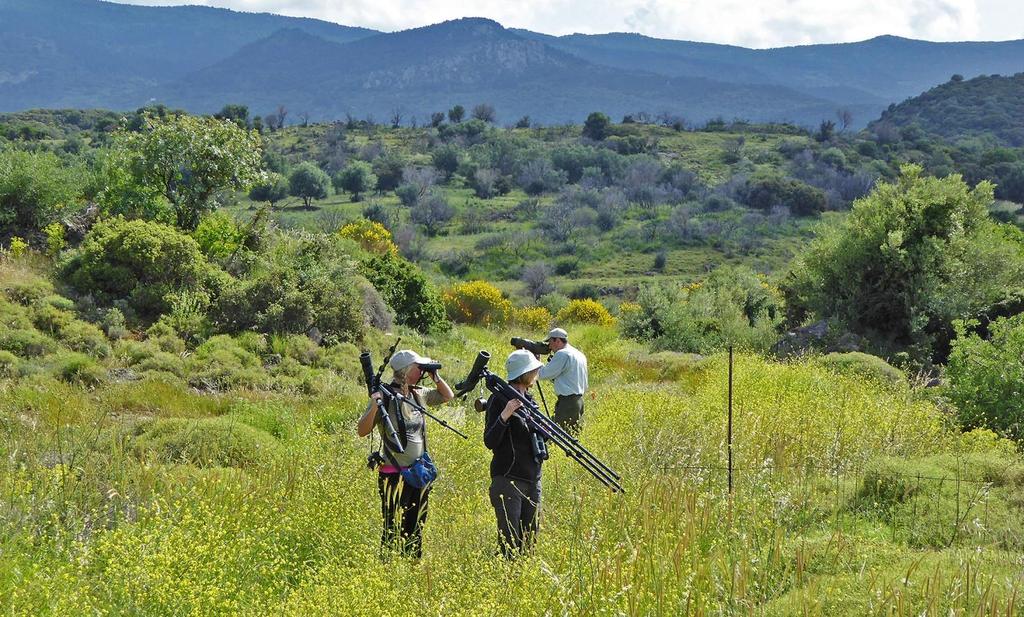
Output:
x=89 y=53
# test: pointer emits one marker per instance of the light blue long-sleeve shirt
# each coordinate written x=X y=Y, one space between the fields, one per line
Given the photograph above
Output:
x=568 y=369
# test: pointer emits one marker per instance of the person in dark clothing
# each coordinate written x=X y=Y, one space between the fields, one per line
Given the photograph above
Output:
x=403 y=508
x=516 y=463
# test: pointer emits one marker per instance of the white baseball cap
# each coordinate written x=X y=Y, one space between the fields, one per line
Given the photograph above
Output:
x=557 y=333
x=406 y=358
x=521 y=362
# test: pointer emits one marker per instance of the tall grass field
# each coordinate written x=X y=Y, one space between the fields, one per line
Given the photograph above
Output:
x=852 y=495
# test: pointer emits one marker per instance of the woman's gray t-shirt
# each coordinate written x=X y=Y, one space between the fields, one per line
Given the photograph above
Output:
x=414 y=427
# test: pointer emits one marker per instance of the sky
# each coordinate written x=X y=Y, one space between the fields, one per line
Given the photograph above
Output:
x=750 y=23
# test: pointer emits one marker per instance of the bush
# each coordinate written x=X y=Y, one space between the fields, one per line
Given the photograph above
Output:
x=478 y=303
x=162 y=362
x=26 y=343
x=732 y=307
x=9 y=365
x=585 y=311
x=207 y=442
x=533 y=318
x=406 y=290
x=138 y=262
x=373 y=237
x=911 y=258
x=86 y=338
x=863 y=365
x=222 y=364
x=27 y=292
x=304 y=281
x=218 y=235
x=80 y=369
x=986 y=377
x=764 y=193
x=37 y=189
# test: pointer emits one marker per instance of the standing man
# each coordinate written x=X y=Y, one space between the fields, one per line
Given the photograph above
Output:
x=567 y=368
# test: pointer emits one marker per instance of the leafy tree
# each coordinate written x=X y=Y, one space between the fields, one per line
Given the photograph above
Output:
x=356 y=178
x=446 y=160
x=308 y=182
x=36 y=189
x=185 y=160
x=484 y=112
x=539 y=176
x=912 y=257
x=436 y=119
x=433 y=213
x=405 y=289
x=388 y=169
x=273 y=190
x=239 y=114
x=456 y=114
x=596 y=126
x=766 y=192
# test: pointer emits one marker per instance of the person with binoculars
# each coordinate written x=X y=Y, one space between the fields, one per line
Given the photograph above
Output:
x=518 y=452
x=567 y=368
x=404 y=507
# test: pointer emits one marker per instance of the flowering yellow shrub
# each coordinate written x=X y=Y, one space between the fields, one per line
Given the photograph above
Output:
x=628 y=309
x=586 y=311
x=477 y=302
x=371 y=235
x=533 y=317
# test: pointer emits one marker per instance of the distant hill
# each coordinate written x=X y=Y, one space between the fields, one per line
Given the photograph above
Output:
x=991 y=106
x=881 y=70
x=88 y=53
x=465 y=61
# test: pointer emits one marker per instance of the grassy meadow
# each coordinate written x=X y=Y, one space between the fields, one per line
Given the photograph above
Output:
x=127 y=490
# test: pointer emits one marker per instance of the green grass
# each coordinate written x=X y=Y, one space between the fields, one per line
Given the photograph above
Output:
x=151 y=498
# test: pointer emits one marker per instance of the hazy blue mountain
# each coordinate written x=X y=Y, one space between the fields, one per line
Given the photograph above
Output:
x=990 y=107
x=881 y=70
x=83 y=53
x=88 y=53
x=465 y=61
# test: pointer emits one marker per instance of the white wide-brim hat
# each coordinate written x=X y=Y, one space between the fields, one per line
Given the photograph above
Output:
x=406 y=358
x=521 y=362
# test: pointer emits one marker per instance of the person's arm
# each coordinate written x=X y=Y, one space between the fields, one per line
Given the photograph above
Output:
x=440 y=394
x=555 y=366
x=369 y=418
x=497 y=422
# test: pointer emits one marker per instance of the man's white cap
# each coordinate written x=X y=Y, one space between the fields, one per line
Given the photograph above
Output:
x=521 y=362
x=557 y=333
x=406 y=358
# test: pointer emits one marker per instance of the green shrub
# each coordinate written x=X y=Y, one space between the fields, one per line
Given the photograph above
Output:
x=80 y=369
x=37 y=188
x=404 y=287
x=162 y=362
x=912 y=257
x=13 y=316
x=297 y=347
x=222 y=364
x=27 y=291
x=26 y=343
x=986 y=377
x=50 y=319
x=733 y=306
x=9 y=365
x=207 y=442
x=138 y=262
x=304 y=281
x=86 y=338
x=863 y=365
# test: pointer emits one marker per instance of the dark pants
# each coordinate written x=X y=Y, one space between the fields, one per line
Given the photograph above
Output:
x=569 y=412
x=516 y=504
x=404 y=510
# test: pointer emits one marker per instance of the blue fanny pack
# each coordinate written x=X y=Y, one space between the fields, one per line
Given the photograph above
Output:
x=421 y=474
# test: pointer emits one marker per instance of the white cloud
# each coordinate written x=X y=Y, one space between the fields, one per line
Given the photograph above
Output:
x=752 y=23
